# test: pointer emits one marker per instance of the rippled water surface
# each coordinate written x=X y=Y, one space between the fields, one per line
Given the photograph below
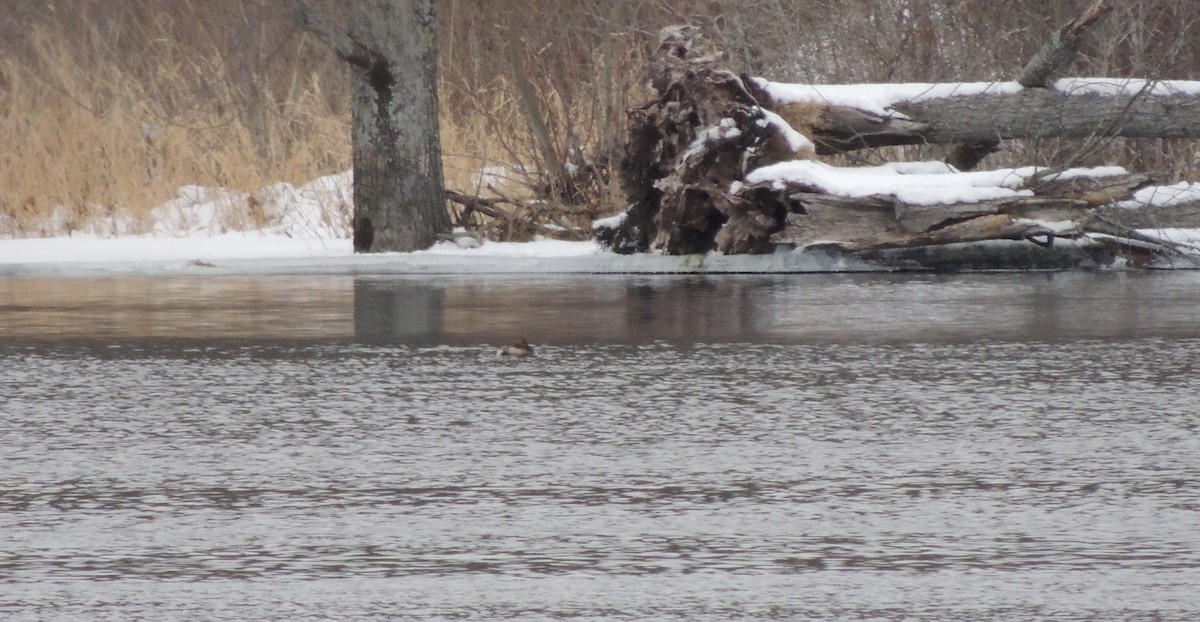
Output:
x=805 y=447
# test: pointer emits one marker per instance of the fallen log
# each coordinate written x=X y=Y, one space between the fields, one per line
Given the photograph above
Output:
x=978 y=116
x=986 y=113
x=714 y=162
x=862 y=223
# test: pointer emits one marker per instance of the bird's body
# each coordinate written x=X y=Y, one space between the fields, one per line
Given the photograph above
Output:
x=518 y=348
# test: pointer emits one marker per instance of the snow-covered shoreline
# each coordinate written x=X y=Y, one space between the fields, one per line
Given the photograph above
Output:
x=285 y=229
x=231 y=254
x=256 y=253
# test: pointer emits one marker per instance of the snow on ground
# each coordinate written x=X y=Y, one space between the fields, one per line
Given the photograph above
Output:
x=319 y=209
x=255 y=253
x=306 y=231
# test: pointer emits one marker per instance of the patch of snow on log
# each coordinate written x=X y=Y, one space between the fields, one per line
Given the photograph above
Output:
x=797 y=142
x=915 y=183
x=915 y=189
x=1127 y=86
x=1187 y=237
x=611 y=222
x=878 y=98
x=1094 y=172
x=1164 y=196
x=909 y=183
x=931 y=167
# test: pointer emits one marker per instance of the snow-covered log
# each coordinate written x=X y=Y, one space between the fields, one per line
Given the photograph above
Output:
x=715 y=162
x=843 y=118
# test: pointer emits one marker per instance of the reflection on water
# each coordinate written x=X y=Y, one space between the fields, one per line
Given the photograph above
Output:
x=872 y=447
x=185 y=307
x=609 y=309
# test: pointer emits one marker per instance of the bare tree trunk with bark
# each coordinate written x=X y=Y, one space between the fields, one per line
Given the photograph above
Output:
x=391 y=47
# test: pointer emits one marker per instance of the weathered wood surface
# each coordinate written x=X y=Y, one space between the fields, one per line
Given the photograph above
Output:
x=1029 y=114
x=884 y=222
x=1184 y=215
x=1054 y=56
x=1093 y=191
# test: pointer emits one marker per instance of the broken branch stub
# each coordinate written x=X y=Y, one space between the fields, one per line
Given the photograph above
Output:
x=1062 y=47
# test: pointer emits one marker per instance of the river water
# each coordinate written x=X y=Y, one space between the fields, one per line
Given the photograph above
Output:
x=823 y=447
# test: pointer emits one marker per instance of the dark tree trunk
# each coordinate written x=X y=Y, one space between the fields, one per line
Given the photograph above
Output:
x=399 y=199
x=399 y=191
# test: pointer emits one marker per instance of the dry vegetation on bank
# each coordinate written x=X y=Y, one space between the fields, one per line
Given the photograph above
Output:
x=113 y=105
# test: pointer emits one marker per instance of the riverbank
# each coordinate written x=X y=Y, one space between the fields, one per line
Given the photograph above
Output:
x=267 y=253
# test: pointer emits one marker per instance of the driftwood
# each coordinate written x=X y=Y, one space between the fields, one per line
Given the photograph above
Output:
x=703 y=130
x=693 y=146
x=883 y=222
x=521 y=221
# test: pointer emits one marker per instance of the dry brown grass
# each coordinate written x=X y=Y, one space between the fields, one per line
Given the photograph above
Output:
x=84 y=139
x=113 y=105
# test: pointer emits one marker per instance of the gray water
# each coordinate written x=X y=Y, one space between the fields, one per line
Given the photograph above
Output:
x=973 y=447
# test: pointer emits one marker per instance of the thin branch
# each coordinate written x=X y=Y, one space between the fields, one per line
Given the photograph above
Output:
x=1094 y=142
x=1095 y=223
x=485 y=206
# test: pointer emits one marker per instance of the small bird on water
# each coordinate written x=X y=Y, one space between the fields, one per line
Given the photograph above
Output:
x=518 y=348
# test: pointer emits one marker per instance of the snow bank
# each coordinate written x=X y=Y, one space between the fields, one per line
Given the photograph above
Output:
x=321 y=208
